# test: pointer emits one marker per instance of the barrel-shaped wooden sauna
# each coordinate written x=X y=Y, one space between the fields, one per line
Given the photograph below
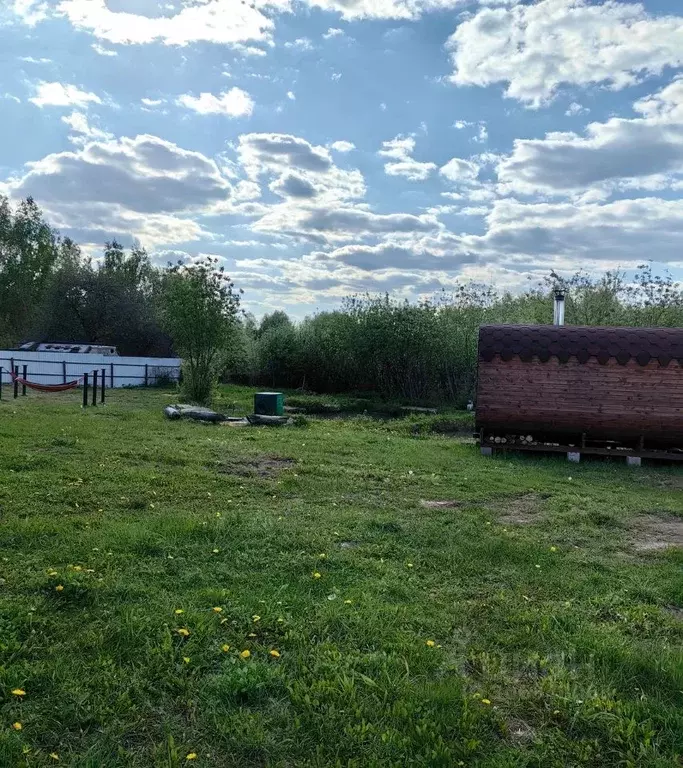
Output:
x=592 y=389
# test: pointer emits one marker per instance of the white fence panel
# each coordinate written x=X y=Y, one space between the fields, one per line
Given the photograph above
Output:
x=60 y=367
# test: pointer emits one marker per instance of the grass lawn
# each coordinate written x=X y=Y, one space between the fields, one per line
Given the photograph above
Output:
x=177 y=594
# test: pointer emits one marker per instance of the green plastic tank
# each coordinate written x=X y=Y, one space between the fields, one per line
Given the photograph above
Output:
x=269 y=403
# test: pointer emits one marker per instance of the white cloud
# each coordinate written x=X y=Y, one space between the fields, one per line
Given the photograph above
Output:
x=33 y=60
x=213 y=21
x=460 y=171
x=134 y=187
x=82 y=131
x=102 y=51
x=62 y=95
x=291 y=96
x=539 y=47
x=300 y=44
x=233 y=103
x=384 y=9
x=152 y=102
x=576 y=109
x=342 y=146
x=400 y=150
x=333 y=32
x=31 y=12
x=642 y=152
x=336 y=76
x=248 y=50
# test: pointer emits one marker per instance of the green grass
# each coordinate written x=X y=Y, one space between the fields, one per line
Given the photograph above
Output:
x=570 y=634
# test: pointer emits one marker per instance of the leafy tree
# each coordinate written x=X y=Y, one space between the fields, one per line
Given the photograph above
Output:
x=198 y=305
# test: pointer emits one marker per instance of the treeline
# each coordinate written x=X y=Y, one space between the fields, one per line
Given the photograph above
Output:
x=426 y=351
x=50 y=290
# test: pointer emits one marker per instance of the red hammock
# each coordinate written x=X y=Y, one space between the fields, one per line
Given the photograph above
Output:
x=45 y=387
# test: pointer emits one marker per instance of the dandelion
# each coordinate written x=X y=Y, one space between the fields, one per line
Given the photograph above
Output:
x=252 y=634
x=192 y=756
x=322 y=556
x=186 y=659
x=217 y=609
x=52 y=573
x=245 y=654
x=280 y=620
x=255 y=618
x=537 y=566
x=78 y=568
x=225 y=648
x=410 y=565
x=348 y=602
x=316 y=575
x=431 y=643
x=17 y=726
x=178 y=611
x=486 y=701
x=553 y=549
x=54 y=755
x=275 y=654
x=215 y=551
x=183 y=632
x=18 y=692
x=59 y=588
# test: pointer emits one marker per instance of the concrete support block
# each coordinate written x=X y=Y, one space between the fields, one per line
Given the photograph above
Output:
x=486 y=450
x=633 y=461
x=574 y=456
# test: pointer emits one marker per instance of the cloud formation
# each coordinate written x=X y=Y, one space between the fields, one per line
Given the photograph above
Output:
x=232 y=103
x=400 y=150
x=62 y=95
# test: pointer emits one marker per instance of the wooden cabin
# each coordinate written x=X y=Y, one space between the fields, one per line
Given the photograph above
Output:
x=581 y=390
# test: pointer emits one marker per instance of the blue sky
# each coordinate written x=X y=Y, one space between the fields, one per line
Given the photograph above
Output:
x=326 y=147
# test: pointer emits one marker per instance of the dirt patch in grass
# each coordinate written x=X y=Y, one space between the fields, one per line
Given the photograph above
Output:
x=519 y=732
x=520 y=510
x=443 y=504
x=654 y=534
x=259 y=466
x=674 y=611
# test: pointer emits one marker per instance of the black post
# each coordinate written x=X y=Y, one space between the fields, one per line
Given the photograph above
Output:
x=0 y=382
x=104 y=381
x=85 y=390
x=64 y=371
x=146 y=372
x=94 y=387
x=16 y=383
x=24 y=376
x=111 y=372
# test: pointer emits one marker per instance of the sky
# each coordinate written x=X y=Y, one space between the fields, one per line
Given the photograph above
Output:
x=322 y=148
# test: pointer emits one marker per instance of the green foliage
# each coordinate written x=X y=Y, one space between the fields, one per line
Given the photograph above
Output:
x=427 y=352
x=571 y=634
x=198 y=307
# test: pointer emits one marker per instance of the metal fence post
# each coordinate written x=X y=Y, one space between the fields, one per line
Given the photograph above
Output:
x=16 y=383
x=94 y=387
x=24 y=376
x=104 y=381
x=146 y=373
x=64 y=371
x=111 y=372
x=85 y=390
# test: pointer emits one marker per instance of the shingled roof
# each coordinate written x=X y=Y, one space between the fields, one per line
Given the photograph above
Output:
x=581 y=342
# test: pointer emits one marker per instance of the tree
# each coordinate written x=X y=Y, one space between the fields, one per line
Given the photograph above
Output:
x=198 y=306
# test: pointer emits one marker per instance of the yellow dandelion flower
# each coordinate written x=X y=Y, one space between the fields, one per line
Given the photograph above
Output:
x=178 y=611
x=78 y=567
x=52 y=573
x=537 y=566
x=322 y=555
x=486 y=701
x=255 y=618
x=217 y=609
x=225 y=648
x=183 y=632
x=410 y=565
x=252 y=634
x=18 y=692
x=280 y=620
x=316 y=575
x=553 y=549
x=431 y=643
x=59 y=588
x=275 y=654
x=54 y=755
x=186 y=659
x=245 y=654
x=17 y=726
x=215 y=551
x=348 y=602
x=191 y=756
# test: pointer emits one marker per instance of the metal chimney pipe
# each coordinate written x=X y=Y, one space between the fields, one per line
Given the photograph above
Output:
x=558 y=314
